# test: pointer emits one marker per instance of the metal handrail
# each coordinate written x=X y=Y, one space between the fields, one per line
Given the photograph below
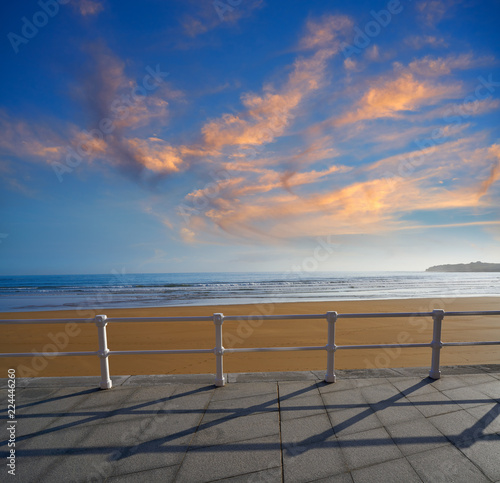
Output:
x=101 y=322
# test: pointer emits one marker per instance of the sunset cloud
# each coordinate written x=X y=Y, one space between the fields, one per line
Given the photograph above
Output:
x=437 y=66
x=266 y=135
x=391 y=98
x=267 y=115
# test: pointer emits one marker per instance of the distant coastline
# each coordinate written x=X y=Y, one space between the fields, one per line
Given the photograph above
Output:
x=466 y=267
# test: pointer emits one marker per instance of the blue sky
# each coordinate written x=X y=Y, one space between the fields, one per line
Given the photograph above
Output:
x=248 y=135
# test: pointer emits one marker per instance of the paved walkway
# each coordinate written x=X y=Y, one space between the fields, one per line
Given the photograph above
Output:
x=392 y=425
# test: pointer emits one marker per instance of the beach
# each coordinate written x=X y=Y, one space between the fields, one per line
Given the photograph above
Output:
x=258 y=333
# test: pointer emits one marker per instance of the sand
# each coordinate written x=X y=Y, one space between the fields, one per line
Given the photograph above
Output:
x=194 y=335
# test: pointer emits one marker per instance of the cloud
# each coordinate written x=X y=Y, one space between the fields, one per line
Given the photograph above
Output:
x=210 y=15
x=432 y=66
x=390 y=98
x=431 y=12
x=455 y=175
x=89 y=7
x=419 y=41
x=324 y=33
x=494 y=174
x=39 y=142
x=267 y=115
x=108 y=96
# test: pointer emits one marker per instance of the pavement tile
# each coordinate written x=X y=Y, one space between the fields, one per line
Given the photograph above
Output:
x=466 y=397
x=243 y=390
x=433 y=404
x=298 y=433
x=314 y=461
x=400 y=411
x=340 y=385
x=485 y=453
x=355 y=420
x=301 y=407
x=342 y=478
x=368 y=448
x=297 y=389
x=347 y=399
x=474 y=379
x=223 y=430
x=491 y=389
x=412 y=385
x=460 y=427
x=394 y=471
x=40 y=408
x=446 y=464
x=237 y=407
x=489 y=416
x=449 y=382
x=372 y=381
x=144 y=444
x=264 y=476
x=72 y=468
x=69 y=430
x=157 y=475
x=381 y=393
x=416 y=436
x=224 y=461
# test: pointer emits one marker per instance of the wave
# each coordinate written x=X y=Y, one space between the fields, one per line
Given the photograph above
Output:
x=35 y=293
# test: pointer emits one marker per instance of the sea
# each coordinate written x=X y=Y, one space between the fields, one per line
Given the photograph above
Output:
x=118 y=290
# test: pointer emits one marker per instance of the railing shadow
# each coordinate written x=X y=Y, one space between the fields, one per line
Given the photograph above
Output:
x=164 y=442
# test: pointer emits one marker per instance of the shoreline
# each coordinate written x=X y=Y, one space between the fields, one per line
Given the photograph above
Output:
x=276 y=333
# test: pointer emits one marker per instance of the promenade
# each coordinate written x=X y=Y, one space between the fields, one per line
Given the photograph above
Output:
x=386 y=425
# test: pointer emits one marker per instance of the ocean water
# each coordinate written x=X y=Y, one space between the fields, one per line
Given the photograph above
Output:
x=58 y=292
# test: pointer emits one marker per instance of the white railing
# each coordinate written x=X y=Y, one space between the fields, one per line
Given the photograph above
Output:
x=218 y=319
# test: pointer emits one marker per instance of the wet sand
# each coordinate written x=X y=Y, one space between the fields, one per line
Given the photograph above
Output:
x=279 y=333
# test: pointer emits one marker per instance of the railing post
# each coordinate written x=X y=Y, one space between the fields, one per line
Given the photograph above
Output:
x=436 y=344
x=220 y=380
x=331 y=318
x=100 y=322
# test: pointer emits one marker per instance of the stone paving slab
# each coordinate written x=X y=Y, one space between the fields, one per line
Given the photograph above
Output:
x=371 y=425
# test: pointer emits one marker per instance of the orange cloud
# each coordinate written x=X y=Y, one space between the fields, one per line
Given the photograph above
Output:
x=324 y=33
x=436 y=66
x=394 y=97
x=269 y=114
x=256 y=208
x=154 y=154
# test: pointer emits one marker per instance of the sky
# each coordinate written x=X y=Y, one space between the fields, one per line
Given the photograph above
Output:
x=248 y=135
